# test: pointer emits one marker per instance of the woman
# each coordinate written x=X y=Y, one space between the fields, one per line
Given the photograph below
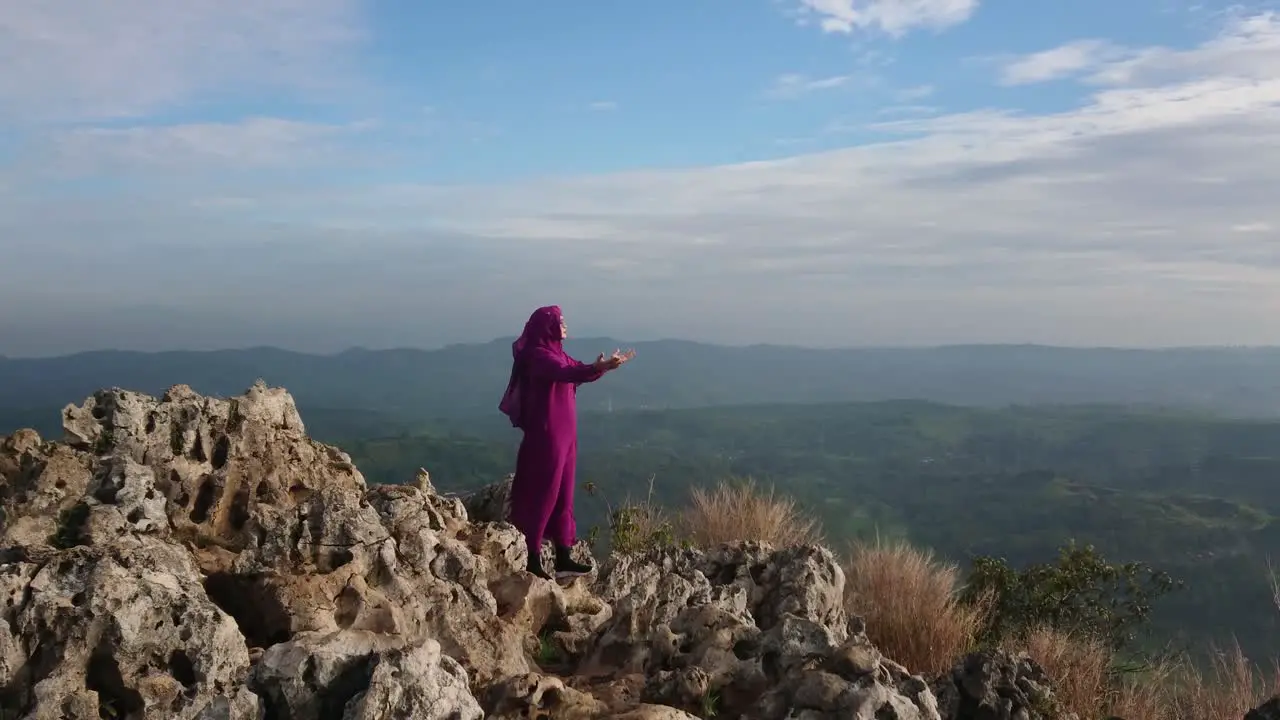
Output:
x=541 y=401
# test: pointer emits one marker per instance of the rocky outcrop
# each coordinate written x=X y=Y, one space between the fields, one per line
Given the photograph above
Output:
x=126 y=628
x=995 y=684
x=203 y=559
x=489 y=503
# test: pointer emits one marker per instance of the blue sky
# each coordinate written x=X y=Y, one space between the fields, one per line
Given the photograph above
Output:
x=331 y=173
x=598 y=87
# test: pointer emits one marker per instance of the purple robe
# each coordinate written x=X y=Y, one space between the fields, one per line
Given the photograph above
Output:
x=541 y=400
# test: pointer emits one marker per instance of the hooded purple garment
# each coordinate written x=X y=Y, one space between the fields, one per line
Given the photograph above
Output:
x=541 y=400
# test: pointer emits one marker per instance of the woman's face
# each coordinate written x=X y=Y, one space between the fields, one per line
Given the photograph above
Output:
x=564 y=329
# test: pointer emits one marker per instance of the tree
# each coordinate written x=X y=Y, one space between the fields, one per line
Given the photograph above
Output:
x=1081 y=593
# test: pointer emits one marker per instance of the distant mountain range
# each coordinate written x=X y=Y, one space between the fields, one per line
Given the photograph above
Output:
x=390 y=387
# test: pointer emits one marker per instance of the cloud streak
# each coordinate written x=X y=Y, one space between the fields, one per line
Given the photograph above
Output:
x=793 y=85
x=252 y=144
x=1246 y=47
x=1055 y=63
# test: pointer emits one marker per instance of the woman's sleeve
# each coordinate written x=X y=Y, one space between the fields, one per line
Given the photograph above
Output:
x=547 y=366
x=591 y=373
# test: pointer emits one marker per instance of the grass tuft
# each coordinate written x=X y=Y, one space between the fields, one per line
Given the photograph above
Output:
x=739 y=511
x=910 y=602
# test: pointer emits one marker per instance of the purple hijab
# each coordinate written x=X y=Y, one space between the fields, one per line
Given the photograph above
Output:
x=541 y=331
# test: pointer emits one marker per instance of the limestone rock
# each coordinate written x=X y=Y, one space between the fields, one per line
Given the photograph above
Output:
x=490 y=503
x=418 y=683
x=40 y=483
x=751 y=631
x=284 y=529
x=15 y=578
x=500 y=544
x=539 y=696
x=997 y=685
x=851 y=681
x=655 y=712
x=315 y=676
x=359 y=675
x=243 y=705
x=128 y=631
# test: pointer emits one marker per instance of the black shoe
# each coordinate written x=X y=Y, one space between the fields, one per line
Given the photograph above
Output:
x=535 y=567
x=566 y=565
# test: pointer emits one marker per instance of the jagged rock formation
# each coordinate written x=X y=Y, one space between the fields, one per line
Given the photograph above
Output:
x=202 y=559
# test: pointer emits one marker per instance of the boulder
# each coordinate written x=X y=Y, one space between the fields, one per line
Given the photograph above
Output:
x=996 y=684
x=418 y=683
x=125 y=630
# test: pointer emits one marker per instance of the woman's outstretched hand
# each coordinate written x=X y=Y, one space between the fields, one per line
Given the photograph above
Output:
x=614 y=361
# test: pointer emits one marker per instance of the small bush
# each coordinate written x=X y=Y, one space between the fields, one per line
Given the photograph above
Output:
x=105 y=442
x=739 y=512
x=911 y=604
x=637 y=527
x=634 y=527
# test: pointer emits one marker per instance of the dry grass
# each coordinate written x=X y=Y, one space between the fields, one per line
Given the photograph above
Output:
x=739 y=511
x=1148 y=696
x=1079 y=669
x=911 y=606
x=1232 y=687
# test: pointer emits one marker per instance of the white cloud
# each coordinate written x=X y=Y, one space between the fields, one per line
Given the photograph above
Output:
x=1245 y=47
x=892 y=17
x=793 y=85
x=1112 y=112
x=77 y=59
x=604 y=105
x=1062 y=61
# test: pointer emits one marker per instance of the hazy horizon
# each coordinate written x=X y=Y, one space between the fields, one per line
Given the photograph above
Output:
x=638 y=341
x=864 y=173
